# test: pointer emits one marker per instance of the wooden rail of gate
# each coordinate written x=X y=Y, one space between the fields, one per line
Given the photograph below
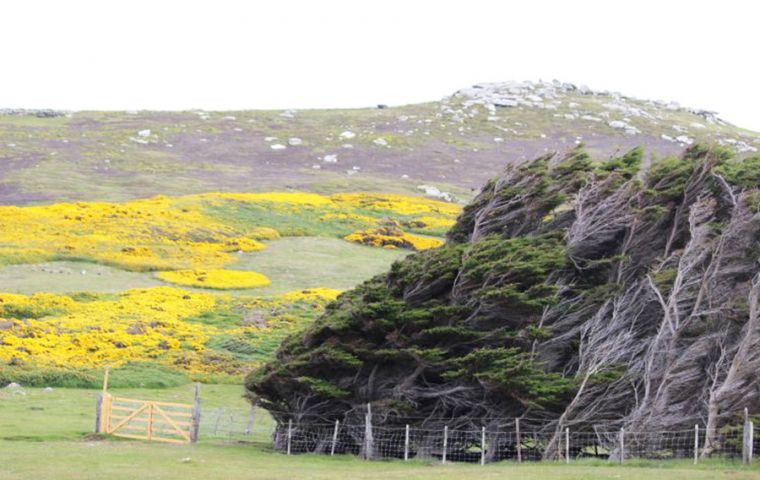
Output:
x=146 y=419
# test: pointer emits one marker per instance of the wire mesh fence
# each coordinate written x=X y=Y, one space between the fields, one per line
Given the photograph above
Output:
x=484 y=445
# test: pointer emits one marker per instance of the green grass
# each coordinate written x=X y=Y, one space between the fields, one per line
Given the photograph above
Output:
x=47 y=435
x=292 y=263
x=307 y=262
x=67 y=277
x=129 y=460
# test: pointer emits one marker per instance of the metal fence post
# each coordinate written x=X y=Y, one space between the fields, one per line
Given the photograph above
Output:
x=231 y=428
x=518 y=440
x=290 y=433
x=335 y=437
x=696 y=444
x=622 y=445
x=445 y=442
x=483 y=446
x=406 y=443
x=567 y=444
x=219 y=413
x=251 y=418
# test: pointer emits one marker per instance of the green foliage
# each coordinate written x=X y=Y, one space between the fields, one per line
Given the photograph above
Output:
x=512 y=373
x=323 y=388
x=667 y=178
x=744 y=173
x=628 y=164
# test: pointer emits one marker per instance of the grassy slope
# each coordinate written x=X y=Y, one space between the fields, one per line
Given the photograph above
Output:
x=62 y=418
x=189 y=152
x=291 y=263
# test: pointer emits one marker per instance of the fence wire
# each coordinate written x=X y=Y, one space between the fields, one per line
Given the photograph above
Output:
x=483 y=445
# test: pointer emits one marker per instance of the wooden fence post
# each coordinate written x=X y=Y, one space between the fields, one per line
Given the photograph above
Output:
x=745 y=443
x=445 y=442
x=406 y=442
x=751 y=442
x=622 y=445
x=335 y=437
x=483 y=445
x=105 y=405
x=696 y=444
x=368 y=439
x=195 y=426
x=567 y=444
x=518 y=440
x=150 y=421
x=98 y=412
x=290 y=433
x=251 y=418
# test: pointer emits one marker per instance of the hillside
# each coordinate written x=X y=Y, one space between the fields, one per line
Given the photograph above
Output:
x=449 y=146
x=571 y=292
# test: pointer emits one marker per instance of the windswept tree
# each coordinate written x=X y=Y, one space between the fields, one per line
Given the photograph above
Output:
x=575 y=292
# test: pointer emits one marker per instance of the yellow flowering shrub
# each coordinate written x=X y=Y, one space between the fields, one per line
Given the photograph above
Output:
x=199 y=231
x=140 y=324
x=218 y=279
x=150 y=234
x=323 y=295
x=431 y=223
x=390 y=237
x=396 y=204
x=185 y=330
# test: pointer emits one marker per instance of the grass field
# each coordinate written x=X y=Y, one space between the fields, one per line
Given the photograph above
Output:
x=292 y=263
x=47 y=435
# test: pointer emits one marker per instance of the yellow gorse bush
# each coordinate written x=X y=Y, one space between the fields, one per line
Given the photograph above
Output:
x=153 y=324
x=139 y=324
x=390 y=237
x=185 y=233
x=141 y=235
x=217 y=279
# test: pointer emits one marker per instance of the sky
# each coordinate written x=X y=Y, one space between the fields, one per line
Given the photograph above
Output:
x=233 y=55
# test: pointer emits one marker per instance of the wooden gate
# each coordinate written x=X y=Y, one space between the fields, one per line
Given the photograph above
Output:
x=146 y=419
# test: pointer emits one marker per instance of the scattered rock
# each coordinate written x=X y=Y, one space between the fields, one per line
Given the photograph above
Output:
x=294 y=141
x=13 y=386
x=278 y=146
x=436 y=192
x=380 y=141
x=347 y=135
x=47 y=389
x=330 y=158
x=144 y=133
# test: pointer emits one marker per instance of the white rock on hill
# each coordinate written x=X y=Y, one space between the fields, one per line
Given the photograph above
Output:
x=330 y=158
x=294 y=141
x=436 y=192
x=144 y=133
